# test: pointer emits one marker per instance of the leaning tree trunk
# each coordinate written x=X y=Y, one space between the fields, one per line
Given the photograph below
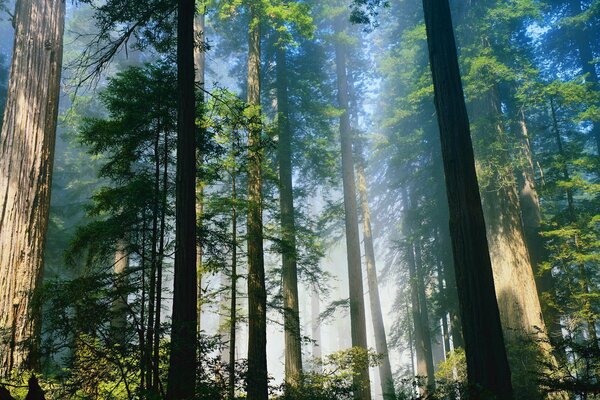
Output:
x=487 y=363
x=257 y=293
x=385 y=369
x=293 y=345
x=26 y=157
x=357 y=303
x=182 y=364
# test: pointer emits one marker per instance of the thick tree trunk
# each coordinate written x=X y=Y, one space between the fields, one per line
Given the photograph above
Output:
x=293 y=345
x=516 y=290
x=531 y=216
x=487 y=363
x=385 y=369
x=182 y=364
x=357 y=303
x=26 y=157
x=257 y=294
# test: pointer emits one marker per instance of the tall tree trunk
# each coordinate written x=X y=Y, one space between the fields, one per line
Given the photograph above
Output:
x=422 y=335
x=487 y=363
x=385 y=369
x=27 y=144
x=153 y=258
x=357 y=303
x=531 y=216
x=200 y=64
x=156 y=383
x=257 y=294
x=234 y=277
x=293 y=345
x=182 y=364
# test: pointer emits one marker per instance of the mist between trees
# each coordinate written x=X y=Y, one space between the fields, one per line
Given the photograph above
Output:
x=299 y=200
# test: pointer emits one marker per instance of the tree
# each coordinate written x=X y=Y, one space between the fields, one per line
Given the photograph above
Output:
x=293 y=345
x=26 y=160
x=487 y=363
x=357 y=305
x=257 y=294
x=182 y=365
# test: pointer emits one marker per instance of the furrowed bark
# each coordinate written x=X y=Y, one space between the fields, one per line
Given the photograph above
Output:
x=27 y=144
x=257 y=295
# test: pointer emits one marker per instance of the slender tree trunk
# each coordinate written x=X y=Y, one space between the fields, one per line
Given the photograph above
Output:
x=200 y=64
x=487 y=363
x=293 y=345
x=315 y=311
x=153 y=259
x=182 y=364
x=385 y=369
x=420 y=318
x=27 y=142
x=357 y=304
x=161 y=256
x=233 y=305
x=257 y=294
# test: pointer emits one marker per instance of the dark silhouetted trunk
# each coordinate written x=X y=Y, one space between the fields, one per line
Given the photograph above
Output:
x=357 y=303
x=27 y=142
x=257 y=294
x=487 y=363
x=182 y=364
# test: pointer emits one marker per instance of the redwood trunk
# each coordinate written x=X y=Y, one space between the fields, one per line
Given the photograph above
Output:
x=357 y=303
x=182 y=364
x=27 y=144
x=385 y=369
x=257 y=294
x=293 y=345
x=487 y=363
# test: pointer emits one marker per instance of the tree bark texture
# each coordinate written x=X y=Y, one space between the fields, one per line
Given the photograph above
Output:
x=487 y=363
x=27 y=143
x=182 y=364
x=257 y=294
x=357 y=303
